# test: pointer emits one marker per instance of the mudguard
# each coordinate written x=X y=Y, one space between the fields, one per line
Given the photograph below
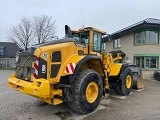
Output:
x=83 y=60
x=122 y=70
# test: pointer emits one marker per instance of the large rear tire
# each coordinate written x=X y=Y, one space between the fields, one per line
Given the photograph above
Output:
x=85 y=94
x=125 y=83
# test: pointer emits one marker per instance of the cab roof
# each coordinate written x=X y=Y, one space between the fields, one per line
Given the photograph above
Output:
x=88 y=29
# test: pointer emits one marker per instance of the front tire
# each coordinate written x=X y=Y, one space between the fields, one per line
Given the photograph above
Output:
x=86 y=92
x=125 y=83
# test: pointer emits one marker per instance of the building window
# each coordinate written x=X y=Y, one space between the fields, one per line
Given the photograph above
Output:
x=146 y=37
x=7 y=62
x=151 y=37
x=1 y=52
x=147 y=62
x=117 y=43
x=140 y=38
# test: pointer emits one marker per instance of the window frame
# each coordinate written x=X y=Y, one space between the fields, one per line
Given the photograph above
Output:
x=7 y=62
x=116 y=43
x=145 y=56
x=80 y=37
x=97 y=43
x=145 y=37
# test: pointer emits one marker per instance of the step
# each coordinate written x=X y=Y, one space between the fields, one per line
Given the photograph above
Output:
x=57 y=101
x=57 y=92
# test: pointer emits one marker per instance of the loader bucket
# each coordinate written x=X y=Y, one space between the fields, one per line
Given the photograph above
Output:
x=140 y=83
x=137 y=77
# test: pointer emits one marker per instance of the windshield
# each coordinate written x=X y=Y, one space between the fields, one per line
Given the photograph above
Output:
x=81 y=37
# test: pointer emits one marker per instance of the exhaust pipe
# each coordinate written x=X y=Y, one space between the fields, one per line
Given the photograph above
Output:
x=68 y=32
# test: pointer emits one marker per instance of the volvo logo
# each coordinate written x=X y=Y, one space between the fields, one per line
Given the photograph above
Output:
x=80 y=45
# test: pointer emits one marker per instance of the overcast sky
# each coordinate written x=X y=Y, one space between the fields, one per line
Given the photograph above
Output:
x=107 y=15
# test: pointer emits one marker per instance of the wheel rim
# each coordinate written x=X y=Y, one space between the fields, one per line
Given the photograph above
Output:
x=92 y=92
x=128 y=81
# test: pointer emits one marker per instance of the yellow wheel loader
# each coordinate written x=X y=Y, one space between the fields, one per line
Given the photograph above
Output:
x=72 y=70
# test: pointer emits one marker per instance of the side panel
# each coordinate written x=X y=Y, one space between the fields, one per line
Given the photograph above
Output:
x=67 y=68
x=94 y=62
x=71 y=65
x=114 y=69
x=42 y=68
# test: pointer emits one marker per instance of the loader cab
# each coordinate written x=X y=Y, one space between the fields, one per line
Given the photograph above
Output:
x=91 y=38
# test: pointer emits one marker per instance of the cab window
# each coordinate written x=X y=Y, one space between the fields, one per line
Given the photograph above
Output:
x=82 y=37
x=97 y=41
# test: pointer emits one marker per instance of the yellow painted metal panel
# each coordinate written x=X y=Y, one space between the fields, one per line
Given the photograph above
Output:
x=32 y=88
x=114 y=69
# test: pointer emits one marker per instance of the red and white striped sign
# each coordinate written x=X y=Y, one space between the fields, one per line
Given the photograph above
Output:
x=36 y=66
x=70 y=68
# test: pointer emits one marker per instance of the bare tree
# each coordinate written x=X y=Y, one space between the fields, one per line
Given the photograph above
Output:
x=44 y=28
x=22 y=34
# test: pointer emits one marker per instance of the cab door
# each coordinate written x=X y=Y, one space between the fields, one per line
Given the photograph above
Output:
x=95 y=42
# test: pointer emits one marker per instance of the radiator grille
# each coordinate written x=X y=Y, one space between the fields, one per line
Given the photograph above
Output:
x=24 y=66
